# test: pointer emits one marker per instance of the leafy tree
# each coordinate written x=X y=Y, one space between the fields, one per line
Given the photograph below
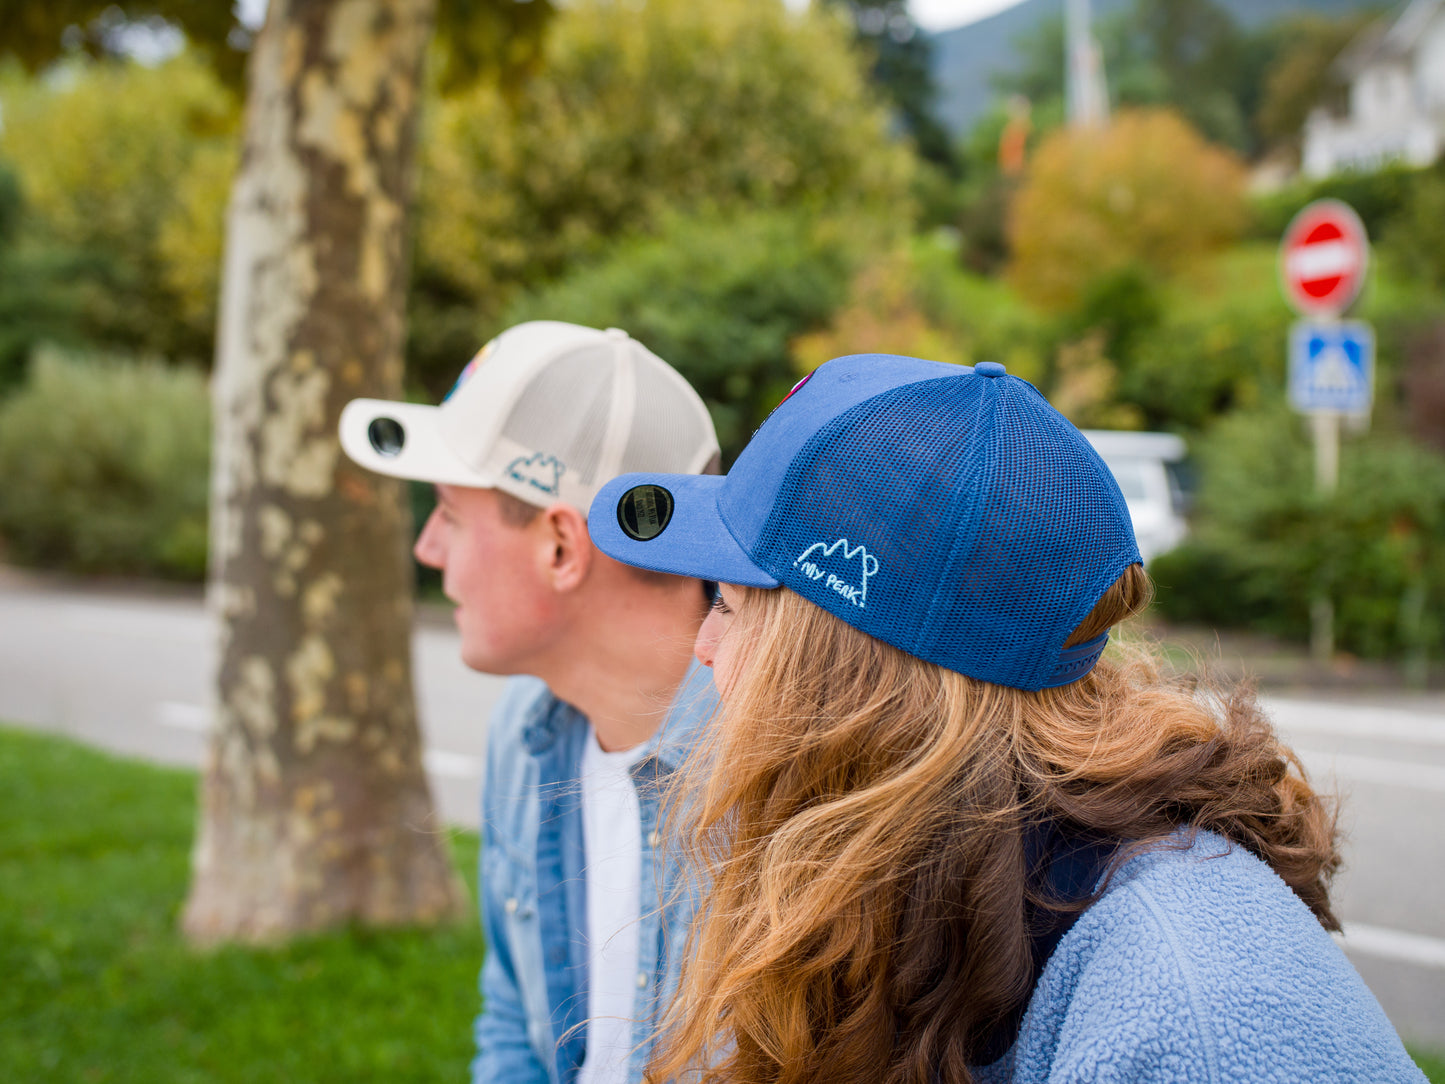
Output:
x=315 y=782
x=1147 y=193
x=678 y=107
x=1300 y=78
x=1039 y=74
x=35 y=34
x=721 y=298
x=106 y=157
x=1416 y=237
x=1193 y=56
x=903 y=68
x=882 y=315
x=38 y=299
x=1215 y=342
x=1247 y=89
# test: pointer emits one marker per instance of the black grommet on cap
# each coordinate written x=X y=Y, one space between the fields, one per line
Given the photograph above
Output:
x=644 y=512
x=387 y=436
x=989 y=368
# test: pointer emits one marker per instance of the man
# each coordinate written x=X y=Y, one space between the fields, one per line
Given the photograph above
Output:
x=576 y=971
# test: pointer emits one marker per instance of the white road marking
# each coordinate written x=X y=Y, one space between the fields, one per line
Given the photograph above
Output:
x=197 y=719
x=1356 y=721
x=452 y=765
x=130 y=623
x=192 y=717
x=1390 y=773
x=1412 y=948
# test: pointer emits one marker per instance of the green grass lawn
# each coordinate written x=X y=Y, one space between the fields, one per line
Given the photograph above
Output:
x=98 y=986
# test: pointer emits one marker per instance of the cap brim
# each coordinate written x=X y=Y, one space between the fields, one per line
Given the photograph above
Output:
x=695 y=541
x=423 y=455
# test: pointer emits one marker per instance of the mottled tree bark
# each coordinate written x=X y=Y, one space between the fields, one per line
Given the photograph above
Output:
x=315 y=810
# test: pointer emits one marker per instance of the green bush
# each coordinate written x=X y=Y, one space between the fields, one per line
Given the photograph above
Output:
x=1377 y=198
x=106 y=466
x=719 y=299
x=1265 y=542
x=1216 y=344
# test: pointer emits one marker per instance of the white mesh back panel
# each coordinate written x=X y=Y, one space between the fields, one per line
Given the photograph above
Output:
x=569 y=400
x=665 y=425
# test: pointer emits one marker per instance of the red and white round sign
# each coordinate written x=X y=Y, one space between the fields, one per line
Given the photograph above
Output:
x=1323 y=258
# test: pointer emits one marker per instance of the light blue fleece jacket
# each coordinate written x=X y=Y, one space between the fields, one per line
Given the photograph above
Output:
x=1201 y=967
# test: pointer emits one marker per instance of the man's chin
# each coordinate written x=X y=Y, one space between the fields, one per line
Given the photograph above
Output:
x=484 y=663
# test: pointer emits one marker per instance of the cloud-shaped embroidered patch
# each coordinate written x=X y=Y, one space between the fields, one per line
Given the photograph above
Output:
x=538 y=470
x=840 y=568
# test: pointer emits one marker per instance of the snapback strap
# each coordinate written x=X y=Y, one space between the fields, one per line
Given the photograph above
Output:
x=1074 y=662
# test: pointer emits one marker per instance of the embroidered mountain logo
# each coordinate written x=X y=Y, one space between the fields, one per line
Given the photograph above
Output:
x=539 y=471
x=839 y=567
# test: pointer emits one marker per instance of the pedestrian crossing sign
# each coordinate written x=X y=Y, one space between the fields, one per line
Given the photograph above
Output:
x=1332 y=366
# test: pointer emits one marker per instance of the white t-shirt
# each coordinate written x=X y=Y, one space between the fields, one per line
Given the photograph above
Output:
x=612 y=838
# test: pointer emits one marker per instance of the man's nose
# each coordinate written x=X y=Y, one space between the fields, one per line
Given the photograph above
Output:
x=428 y=548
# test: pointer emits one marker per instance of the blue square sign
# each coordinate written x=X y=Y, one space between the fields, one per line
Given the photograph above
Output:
x=1332 y=366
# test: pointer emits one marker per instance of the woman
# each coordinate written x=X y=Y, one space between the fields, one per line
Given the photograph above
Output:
x=944 y=840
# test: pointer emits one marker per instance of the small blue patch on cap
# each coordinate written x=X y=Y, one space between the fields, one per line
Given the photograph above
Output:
x=989 y=368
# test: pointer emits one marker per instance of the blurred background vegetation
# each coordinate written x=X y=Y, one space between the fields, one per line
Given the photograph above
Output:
x=751 y=191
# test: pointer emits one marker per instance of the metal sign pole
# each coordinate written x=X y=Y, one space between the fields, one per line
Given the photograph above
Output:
x=1323 y=259
x=1326 y=425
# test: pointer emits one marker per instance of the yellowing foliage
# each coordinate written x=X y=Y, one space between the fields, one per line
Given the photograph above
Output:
x=642 y=109
x=882 y=316
x=1147 y=191
x=133 y=164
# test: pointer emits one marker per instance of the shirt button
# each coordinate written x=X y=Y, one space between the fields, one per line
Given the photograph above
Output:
x=654 y=838
x=510 y=907
x=642 y=980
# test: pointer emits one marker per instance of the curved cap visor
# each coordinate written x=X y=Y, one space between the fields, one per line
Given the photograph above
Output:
x=421 y=454
x=694 y=541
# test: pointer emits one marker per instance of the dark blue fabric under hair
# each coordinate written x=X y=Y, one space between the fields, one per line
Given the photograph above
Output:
x=1065 y=869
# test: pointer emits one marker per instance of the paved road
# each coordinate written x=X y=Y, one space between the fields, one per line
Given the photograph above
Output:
x=131 y=673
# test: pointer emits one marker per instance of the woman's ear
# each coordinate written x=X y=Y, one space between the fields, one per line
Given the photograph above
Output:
x=569 y=547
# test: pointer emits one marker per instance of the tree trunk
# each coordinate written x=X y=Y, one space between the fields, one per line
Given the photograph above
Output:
x=315 y=810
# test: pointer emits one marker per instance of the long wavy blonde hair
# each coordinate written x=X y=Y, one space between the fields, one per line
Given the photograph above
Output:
x=860 y=817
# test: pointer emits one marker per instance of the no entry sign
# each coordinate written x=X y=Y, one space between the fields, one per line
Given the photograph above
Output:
x=1323 y=258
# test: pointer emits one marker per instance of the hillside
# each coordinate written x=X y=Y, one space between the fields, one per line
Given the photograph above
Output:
x=965 y=59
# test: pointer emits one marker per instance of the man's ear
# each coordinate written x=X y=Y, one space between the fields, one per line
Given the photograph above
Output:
x=570 y=546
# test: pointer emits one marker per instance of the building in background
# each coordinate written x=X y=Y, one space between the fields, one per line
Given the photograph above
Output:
x=1395 y=71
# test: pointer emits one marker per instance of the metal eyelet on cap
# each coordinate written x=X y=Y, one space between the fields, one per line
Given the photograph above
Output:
x=644 y=512
x=387 y=436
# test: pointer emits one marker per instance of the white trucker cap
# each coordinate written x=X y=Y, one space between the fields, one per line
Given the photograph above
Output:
x=546 y=411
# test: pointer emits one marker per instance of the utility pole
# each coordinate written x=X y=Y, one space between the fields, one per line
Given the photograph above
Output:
x=1088 y=94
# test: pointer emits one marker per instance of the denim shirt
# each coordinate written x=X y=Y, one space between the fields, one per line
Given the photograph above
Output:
x=533 y=1026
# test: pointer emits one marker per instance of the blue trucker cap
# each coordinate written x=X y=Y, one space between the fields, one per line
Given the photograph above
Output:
x=948 y=511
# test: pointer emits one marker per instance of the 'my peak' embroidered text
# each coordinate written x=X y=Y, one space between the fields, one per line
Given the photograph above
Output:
x=839 y=567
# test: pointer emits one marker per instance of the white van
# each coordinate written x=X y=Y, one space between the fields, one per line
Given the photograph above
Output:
x=1147 y=467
